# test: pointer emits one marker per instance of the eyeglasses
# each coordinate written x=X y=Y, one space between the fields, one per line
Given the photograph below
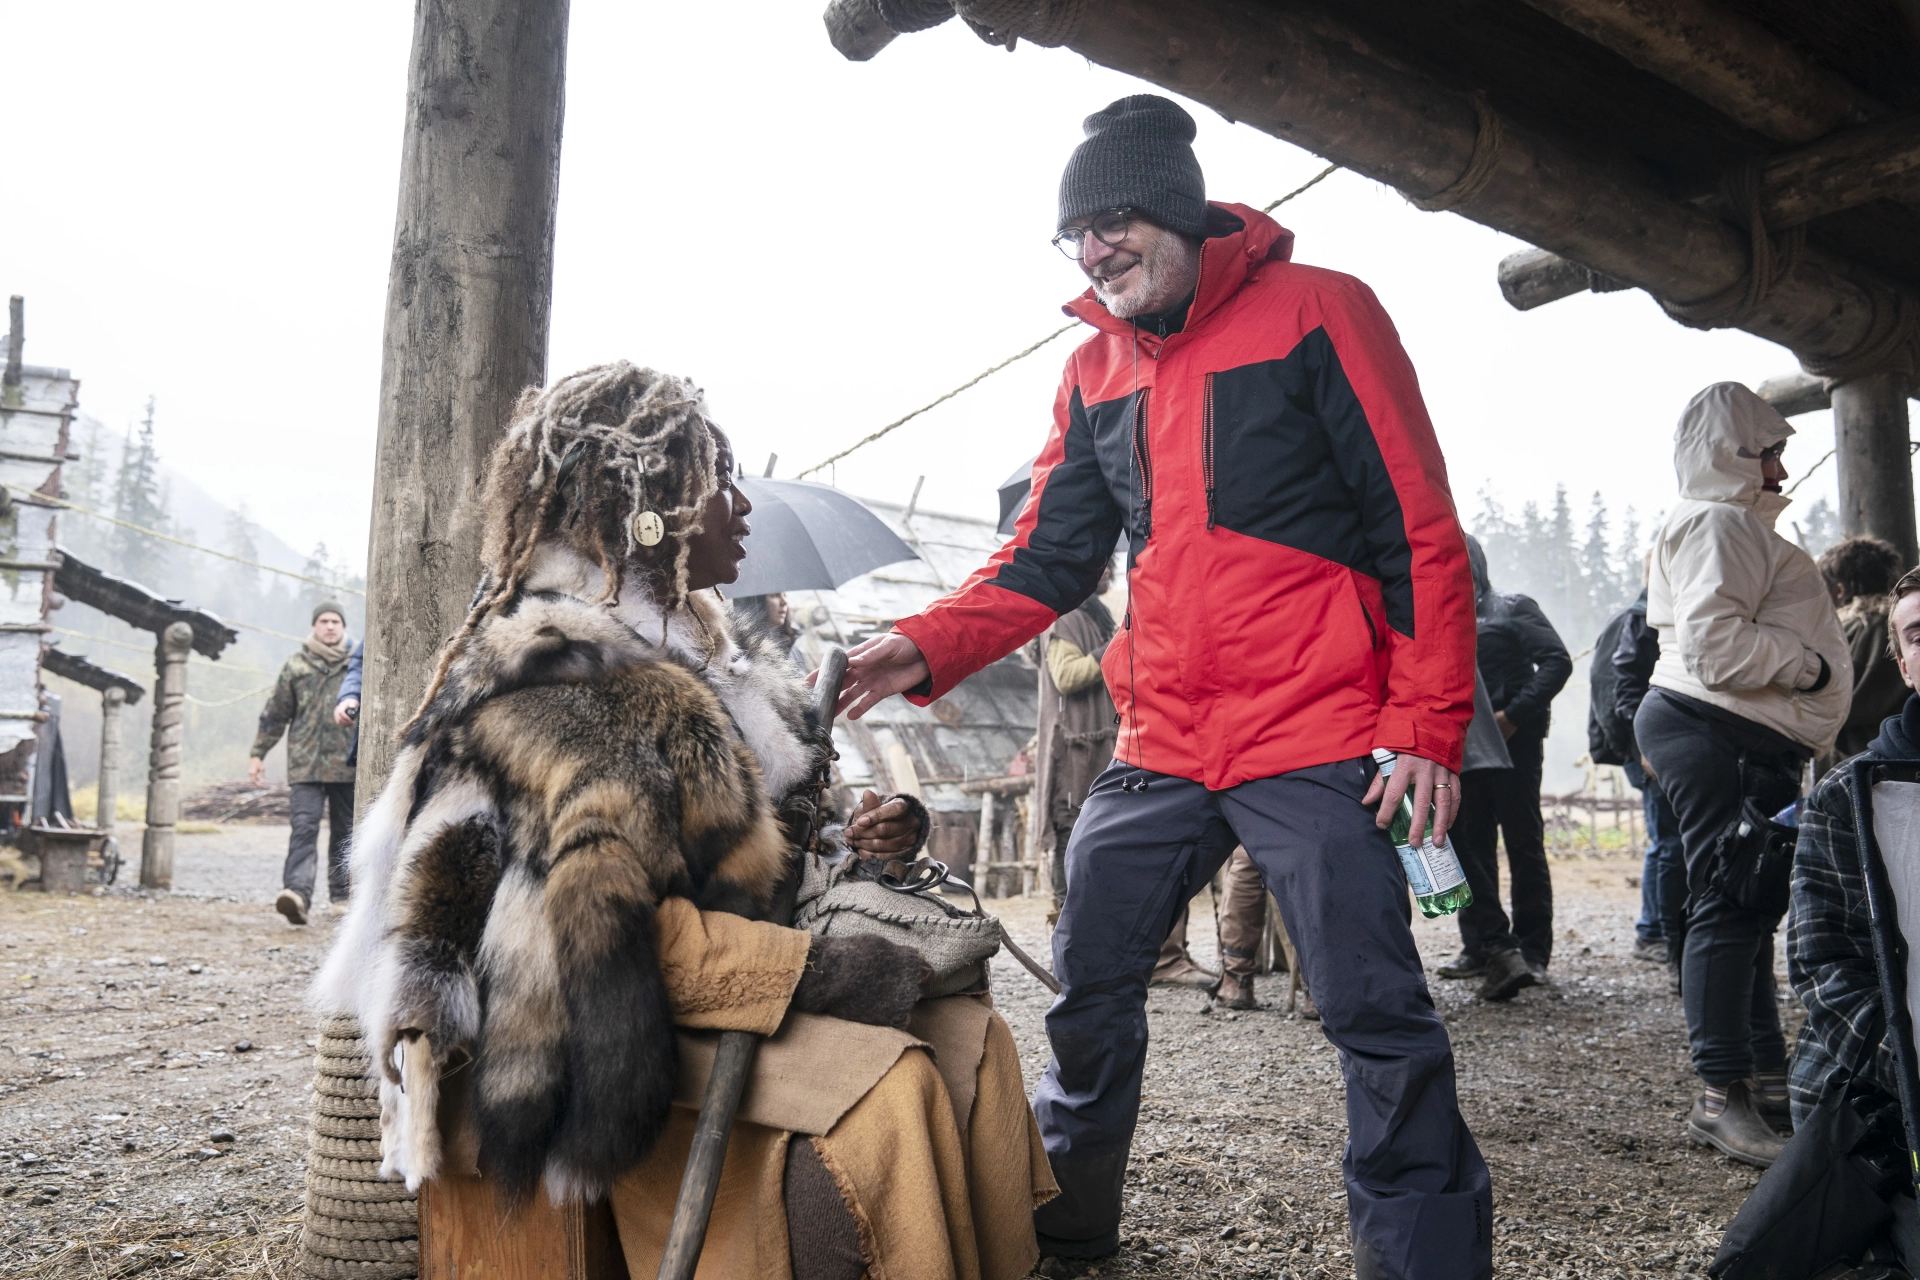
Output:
x=1110 y=227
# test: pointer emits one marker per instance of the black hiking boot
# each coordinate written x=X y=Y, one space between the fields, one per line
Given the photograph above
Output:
x=1507 y=975
x=1464 y=965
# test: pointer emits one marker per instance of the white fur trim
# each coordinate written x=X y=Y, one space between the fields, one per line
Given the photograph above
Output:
x=409 y=1116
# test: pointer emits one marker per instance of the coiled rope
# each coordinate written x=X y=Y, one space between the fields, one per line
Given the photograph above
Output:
x=357 y=1225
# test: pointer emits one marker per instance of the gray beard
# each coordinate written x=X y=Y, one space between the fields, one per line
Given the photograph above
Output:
x=1156 y=272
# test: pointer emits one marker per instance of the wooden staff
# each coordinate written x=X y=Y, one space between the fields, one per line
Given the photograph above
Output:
x=733 y=1062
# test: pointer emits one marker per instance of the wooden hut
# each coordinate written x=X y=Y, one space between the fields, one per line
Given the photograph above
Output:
x=1752 y=164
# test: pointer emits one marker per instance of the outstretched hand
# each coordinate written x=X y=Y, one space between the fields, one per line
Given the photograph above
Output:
x=877 y=669
x=1433 y=784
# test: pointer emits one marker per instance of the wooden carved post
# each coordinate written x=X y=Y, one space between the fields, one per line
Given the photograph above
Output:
x=112 y=698
x=468 y=294
x=163 y=764
x=989 y=850
x=1876 y=467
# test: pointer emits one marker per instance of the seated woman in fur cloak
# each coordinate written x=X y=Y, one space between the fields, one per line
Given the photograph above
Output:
x=561 y=891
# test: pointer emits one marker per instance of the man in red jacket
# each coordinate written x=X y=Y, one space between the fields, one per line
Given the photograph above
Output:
x=1298 y=597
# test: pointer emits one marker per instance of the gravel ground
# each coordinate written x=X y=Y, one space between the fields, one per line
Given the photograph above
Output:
x=1577 y=1093
x=137 y=1135
x=155 y=1059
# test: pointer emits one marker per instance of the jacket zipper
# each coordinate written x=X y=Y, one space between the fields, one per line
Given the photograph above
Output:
x=1373 y=634
x=1144 y=457
x=1206 y=446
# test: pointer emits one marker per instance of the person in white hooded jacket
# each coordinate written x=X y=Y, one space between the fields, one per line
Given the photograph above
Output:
x=1754 y=678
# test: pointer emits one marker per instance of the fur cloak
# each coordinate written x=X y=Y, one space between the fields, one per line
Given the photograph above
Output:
x=580 y=764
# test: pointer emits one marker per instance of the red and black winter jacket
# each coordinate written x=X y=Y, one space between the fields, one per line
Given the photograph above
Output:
x=1299 y=588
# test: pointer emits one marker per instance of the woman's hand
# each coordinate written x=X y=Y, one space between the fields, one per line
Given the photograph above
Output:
x=880 y=830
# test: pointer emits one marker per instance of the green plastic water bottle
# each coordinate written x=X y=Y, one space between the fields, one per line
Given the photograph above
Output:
x=1439 y=885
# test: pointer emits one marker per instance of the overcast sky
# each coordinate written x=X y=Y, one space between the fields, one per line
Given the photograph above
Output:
x=200 y=207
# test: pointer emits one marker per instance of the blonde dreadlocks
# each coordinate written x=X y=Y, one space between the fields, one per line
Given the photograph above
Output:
x=584 y=460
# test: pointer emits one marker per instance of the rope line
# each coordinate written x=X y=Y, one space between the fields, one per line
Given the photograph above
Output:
x=1308 y=185
x=182 y=542
x=984 y=374
x=1488 y=134
x=227 y=702
x=1913 y=447
x=194 y=658
x=265 y=631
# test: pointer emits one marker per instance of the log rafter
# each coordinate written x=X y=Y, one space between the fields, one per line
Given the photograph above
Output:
x=1297 y=74
x=1722 y=58
x=1295 y=78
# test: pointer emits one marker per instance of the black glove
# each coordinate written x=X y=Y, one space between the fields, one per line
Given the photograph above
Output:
x=861 y=978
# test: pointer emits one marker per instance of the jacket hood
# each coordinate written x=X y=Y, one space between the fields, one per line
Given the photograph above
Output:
x=1477 y=562
x=1899 y=737
x=1717 y=447
x=1239 y=238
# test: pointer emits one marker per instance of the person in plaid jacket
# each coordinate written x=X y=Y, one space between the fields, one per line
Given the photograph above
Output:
x=1829 y=930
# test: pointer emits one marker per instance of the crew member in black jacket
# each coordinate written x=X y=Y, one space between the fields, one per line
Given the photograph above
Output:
x=1634 y=649
x=1523 y=664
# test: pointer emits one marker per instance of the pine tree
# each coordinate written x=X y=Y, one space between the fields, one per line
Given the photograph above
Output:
x=1819 y=529
x=241 y=542
x=1630 y=559
x=1596 y=562
x=137 y=500
x=316 y=567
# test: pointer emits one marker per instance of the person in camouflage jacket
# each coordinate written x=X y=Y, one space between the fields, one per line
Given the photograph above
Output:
x=319 y=771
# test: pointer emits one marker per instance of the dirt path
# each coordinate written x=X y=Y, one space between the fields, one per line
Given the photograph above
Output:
x=1577 y=1093
x=137 y=1137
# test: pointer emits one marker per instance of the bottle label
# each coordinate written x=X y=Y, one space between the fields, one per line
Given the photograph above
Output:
x=1431 y=869
x=1416 y=868
x=1444 y=866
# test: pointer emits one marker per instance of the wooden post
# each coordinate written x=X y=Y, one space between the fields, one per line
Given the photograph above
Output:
x=1875 y=461
x=112 y=698
x=989 y=851
x=163 y=761
x=468 y=295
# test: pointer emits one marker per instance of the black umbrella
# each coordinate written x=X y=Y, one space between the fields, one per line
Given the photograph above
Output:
x=1013 y=495
x=809 y=535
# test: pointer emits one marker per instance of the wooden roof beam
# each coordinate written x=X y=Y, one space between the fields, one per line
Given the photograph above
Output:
x=1300 y=74
x=1876 y=161
x=1723 y=58
x=1797 y=393
x=1301 y=77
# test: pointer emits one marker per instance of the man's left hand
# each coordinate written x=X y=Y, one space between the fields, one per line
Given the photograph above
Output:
x=1506 y=726
x=882 y=830
x=1432 y=783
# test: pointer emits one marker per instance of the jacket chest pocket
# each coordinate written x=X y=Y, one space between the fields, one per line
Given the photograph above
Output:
x=1269 y=465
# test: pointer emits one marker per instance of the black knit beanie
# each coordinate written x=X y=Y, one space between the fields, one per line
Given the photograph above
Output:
x=1138 y=155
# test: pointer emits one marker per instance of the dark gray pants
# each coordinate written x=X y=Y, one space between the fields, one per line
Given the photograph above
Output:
x=1726 y=969
x=307 y=801
x=1417 y=1190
